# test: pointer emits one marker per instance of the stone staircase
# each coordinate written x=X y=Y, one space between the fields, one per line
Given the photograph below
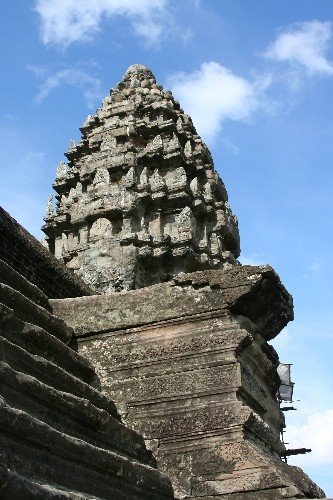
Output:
x=60 y=436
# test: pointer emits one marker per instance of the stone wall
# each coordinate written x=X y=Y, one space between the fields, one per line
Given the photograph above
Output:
x=60 y=436
x=189 y=366
x=20 y=250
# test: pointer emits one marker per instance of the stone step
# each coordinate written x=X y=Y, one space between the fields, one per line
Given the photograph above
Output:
x=54 y=376
x=28 y=311
x=26 y=255
x=39 y=342
x=14 y=486
x=70 y=414
x=10 y=277
x=36 y=450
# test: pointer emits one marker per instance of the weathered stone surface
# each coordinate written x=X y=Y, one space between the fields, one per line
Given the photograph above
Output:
x=139 y=201
x=10 y=276
x=256 y=293
x=189 y=367
x=26 y=256
x=60 y=437
x=181 y=347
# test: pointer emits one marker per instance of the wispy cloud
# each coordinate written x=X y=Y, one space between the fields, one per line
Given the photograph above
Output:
x=316 y=266
x=213 y=94
x=8 y=116
x=90 y=86
x=64 y=22
x=34 y=156
x=314 y=434
x=229 y=144
x=305 y=46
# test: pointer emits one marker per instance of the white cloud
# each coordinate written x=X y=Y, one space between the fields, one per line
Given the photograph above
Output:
x=304 y=45
x=233 y=148
x=90 y=86
x=214 y=94
x=66 y=21
x=35 y=156
x=150 y=30
x=316 y=266
x=314 y=434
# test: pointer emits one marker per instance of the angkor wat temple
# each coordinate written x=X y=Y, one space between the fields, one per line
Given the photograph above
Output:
x=135 y=355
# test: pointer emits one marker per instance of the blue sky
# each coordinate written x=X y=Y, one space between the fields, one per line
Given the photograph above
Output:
x=257 y=79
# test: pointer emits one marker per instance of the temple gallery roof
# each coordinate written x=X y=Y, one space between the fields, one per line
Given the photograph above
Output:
x=139 y=199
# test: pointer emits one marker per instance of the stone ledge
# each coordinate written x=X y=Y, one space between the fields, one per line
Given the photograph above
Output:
x=253 y=292
x=21 y=251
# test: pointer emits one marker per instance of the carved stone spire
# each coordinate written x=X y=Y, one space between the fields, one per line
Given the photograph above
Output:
x=139 y=200
x=49 y=211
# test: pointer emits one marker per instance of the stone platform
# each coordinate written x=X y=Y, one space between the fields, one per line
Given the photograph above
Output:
x=189 y=366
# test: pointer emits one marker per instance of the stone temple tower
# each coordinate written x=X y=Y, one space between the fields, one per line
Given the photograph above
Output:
x=187 y=360
x=139 y=200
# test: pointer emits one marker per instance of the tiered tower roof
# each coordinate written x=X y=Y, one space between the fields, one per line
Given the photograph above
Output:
x=139 y=199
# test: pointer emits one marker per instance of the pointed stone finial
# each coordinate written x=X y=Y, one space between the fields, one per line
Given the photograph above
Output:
x=173 y=144
x=138 y=70
x=63 y=201
x=78 y=189
x=157 y=144
x=144 y=177
x=88 y=121
x=49 y=212
x=180 y=175
x=130 y=178
x=157 y=180
x=72 y=145
x=144 y=227
x=62 y=170
x=186 y=223
x=44 y=242
x=130 y=129
x=188 y=149
x=106 y=101
x=179 y=125
x=194 y=186
x=102 y=176
x=208 y=193
x=71 y=195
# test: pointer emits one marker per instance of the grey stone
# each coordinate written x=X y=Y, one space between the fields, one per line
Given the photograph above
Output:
x=186 y=360
x=189 y=366
x=60 y=436
x=140 y=157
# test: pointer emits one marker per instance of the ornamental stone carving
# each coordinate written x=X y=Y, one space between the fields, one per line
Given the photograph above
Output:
x=102 y=176
x=49 y=212
x=141 y=166
x=62 y=170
